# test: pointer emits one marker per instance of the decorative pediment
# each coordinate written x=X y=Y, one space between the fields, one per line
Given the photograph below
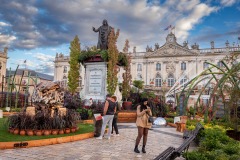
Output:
x=171 y=49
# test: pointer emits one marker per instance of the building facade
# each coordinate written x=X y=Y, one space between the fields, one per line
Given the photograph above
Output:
x=162 y=67
x=25 y=80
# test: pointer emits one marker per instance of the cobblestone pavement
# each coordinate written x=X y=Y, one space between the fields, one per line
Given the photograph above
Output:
x=117 y=148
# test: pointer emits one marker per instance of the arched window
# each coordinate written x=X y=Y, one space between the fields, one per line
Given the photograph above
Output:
x=183 y=80
x=139 y=77
x=65 y=69
x=158 y=81
x=205 y=65
x=158 y=66
x=183 y=66
x=170 y=80
x=139 y=67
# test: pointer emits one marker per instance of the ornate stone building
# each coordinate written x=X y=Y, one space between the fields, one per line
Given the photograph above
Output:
x=162 y=67
x=3 y=63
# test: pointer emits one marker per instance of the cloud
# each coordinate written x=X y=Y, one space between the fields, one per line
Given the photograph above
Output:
x=50 y=23
x=186 y=24
x=6 y=40
x=3 y=24
x=227 y=3
x=44 y=63
x=43 y=57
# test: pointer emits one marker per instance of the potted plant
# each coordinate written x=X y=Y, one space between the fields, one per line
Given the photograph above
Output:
x=62 y=124
x=56 y=119
x=70 y=119
x=13 y=123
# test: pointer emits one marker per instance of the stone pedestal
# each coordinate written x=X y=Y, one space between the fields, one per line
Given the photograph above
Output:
x=95 y=86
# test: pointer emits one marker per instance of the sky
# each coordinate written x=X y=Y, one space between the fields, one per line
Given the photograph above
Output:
x=35 y=30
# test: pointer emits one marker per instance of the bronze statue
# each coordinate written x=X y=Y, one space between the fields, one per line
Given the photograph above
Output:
x=104 y=32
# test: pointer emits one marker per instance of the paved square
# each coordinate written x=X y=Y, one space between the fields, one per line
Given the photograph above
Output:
x=117 y=148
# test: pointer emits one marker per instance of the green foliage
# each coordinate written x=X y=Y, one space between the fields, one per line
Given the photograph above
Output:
x=127 y=77
x=138 y=84
x=194 y=155
x=215 y=145
x=73 y=74
x=147 y=95
x=112 y=70
x=170 y=120
x=123 y=59
x=90 y=53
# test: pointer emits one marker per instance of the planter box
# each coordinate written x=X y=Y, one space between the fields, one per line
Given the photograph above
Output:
x=127 y=117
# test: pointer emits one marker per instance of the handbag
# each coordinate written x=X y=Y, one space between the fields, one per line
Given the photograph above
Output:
x=150 y=119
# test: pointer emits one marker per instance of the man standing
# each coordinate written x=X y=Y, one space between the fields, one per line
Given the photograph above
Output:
x=108 y=114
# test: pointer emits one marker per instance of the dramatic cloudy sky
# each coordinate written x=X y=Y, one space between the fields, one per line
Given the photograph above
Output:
x=35 y=30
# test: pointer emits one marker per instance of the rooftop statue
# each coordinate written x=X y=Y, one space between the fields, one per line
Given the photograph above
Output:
x=104 y=32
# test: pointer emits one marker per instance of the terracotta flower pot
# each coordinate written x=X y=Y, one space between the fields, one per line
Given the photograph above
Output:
x=61 y=131
x=127 y=105
x=46 y=132
x=30 y=132
x=38 y=132
x=16 y=131
x=22 y=132
x=54 y=132
x=67 y=130
x=73 y=129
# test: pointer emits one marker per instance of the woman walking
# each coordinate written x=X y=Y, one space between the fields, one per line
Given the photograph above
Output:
x=143 y=112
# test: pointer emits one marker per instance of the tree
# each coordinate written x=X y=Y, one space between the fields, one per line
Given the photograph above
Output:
x=73 y=74
x=138 y=84
x=112 y=62
x=127 y=77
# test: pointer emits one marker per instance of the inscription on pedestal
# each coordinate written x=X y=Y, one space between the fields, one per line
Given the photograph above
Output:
x=95 y=81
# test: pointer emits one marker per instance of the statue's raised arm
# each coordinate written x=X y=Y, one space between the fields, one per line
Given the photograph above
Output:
x=104 y=32
x=95 y=30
